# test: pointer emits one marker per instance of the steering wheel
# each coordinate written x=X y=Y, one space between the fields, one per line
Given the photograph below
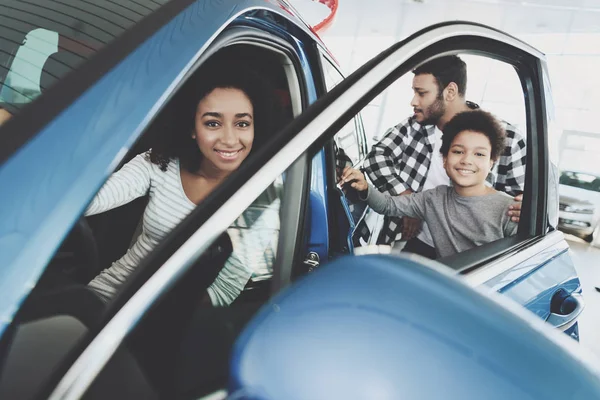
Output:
x=77 y=257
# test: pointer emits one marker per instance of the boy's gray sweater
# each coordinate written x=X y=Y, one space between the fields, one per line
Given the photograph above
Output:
x=457 y=223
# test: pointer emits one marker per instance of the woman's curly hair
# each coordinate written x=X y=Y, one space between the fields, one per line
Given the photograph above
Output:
x=477 y=121
x=174 y=140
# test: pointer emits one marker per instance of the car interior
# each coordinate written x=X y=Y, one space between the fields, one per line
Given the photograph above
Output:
x=97 y=240
x=166 y=356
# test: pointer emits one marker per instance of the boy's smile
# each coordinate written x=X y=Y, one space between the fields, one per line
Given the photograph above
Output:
x=469 y=162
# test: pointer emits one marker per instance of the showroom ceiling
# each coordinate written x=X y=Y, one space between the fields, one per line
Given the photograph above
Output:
x=401 y=17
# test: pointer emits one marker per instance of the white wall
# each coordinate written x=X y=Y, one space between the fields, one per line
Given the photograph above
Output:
x=568 y=31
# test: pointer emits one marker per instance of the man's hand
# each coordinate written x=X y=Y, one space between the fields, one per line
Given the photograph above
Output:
x=410 y=226
x=353 y=178
x=514 y=210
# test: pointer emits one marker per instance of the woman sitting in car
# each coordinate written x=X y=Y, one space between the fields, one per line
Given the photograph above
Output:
x=229 y=112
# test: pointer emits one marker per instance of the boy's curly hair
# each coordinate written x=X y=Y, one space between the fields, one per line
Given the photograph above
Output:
x=477 y=121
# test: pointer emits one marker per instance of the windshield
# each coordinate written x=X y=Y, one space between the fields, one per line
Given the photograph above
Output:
x=41 y=42
x=580 y=180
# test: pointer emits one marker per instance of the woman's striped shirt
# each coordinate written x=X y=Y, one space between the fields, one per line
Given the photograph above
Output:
x=254 y=234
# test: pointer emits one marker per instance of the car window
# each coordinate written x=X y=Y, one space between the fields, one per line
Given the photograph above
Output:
x=409 y=156
x=350 y=140
x=41 y=43
x=580 y=180
x=495 y=86
x=254 y=236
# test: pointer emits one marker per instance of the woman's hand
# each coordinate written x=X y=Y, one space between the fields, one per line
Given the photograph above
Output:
x=353 y=178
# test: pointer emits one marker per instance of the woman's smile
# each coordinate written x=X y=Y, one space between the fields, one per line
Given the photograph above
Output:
x=229 y=155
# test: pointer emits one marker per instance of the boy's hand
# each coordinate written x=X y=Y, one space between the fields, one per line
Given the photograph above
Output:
x=353 y=178
x=514 y=210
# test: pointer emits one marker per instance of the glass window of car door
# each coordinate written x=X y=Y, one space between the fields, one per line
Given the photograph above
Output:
x=494 y=86
x=350 y=140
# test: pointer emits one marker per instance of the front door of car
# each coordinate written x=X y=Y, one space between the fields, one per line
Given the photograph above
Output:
x=317 y=125
x=533 y=267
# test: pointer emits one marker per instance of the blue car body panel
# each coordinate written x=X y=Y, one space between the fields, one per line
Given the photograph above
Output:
x=534 y=282
x=54 y=176
x=385 y=333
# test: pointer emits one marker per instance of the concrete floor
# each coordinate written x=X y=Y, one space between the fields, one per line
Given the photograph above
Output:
x=587 y=263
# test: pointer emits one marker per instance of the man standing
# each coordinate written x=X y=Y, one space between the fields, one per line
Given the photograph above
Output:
x=407 y=159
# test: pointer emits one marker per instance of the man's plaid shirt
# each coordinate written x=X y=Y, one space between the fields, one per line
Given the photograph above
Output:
x=401 y=160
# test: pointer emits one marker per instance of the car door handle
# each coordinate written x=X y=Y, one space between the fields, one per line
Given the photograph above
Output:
x=574 y=305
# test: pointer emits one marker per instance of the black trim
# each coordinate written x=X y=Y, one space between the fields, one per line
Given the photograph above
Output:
x=36 y=115
x=477 y=257
x=5 y=344
x=543 y=143
x=535 y=195
x=336 y=241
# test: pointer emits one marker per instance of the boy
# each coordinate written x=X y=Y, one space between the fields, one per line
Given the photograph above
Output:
x=467 y=214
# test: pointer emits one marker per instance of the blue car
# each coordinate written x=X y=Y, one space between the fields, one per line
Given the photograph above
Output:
x=88 y=85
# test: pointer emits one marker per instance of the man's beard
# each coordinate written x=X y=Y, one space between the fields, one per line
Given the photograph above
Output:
x=434 y=112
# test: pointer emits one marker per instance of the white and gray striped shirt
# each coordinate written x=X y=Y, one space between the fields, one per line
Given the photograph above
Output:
x=254 y=234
